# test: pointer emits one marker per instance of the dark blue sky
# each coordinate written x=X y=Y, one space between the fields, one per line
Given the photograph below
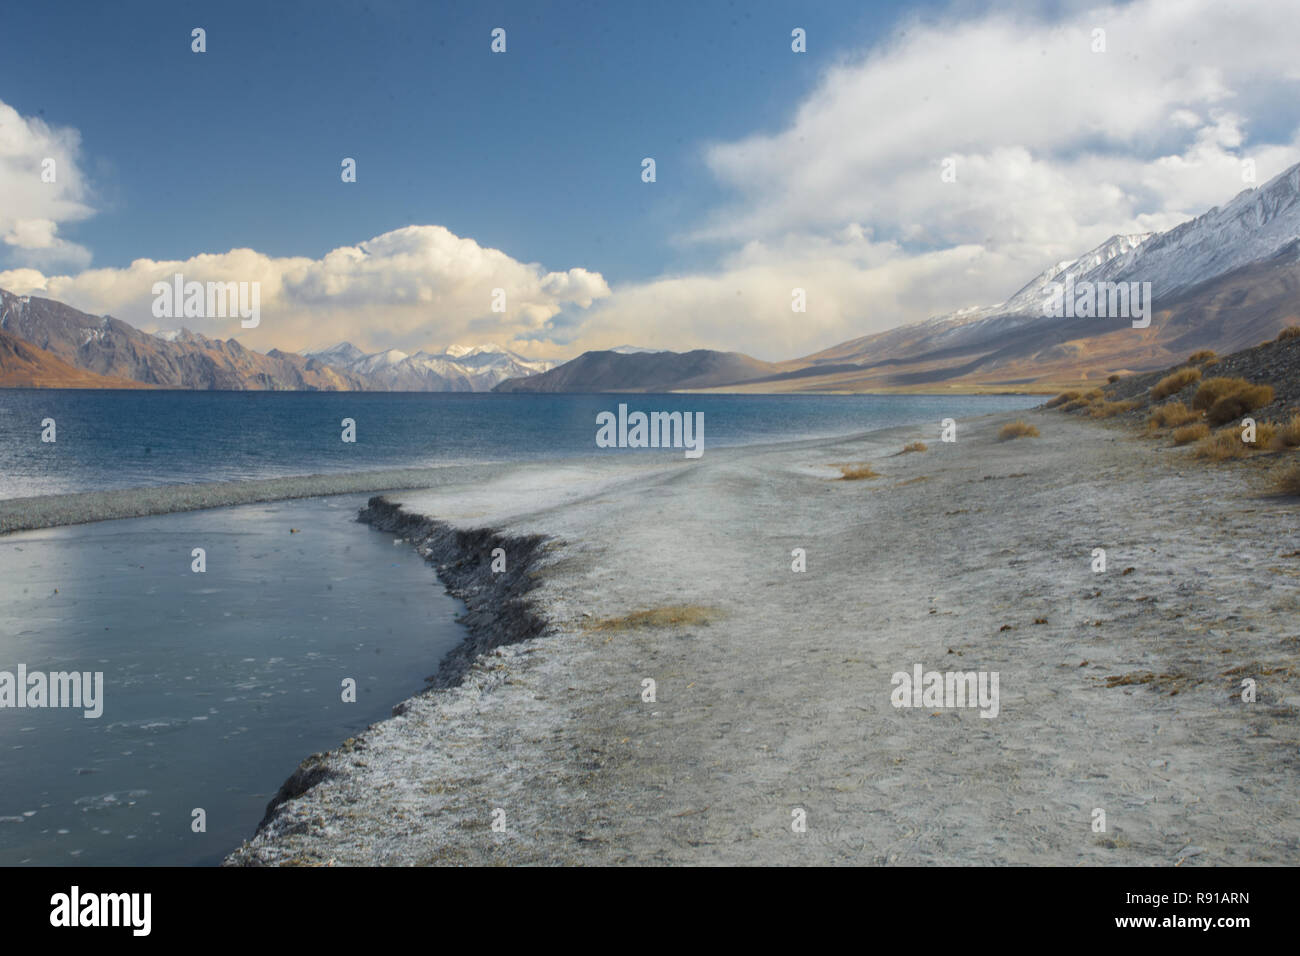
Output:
x=536 y=152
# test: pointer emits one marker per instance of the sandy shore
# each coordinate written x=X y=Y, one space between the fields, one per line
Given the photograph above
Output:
x=1119 y=691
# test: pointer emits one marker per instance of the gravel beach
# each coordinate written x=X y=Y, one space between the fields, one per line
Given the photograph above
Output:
x=1120 y=691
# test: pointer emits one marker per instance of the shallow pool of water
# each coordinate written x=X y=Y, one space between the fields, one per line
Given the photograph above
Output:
x=216 y=684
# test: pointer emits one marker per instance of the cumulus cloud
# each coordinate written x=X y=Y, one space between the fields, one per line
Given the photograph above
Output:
x=41 y=188
x=419 y=286
x=1055 y=148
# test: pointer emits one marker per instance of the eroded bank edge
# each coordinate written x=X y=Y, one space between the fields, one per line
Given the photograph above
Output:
x=497 y=613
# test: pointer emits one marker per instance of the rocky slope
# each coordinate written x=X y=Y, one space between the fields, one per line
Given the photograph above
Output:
x=456 y=369
x=23 y=365
x=109 y=347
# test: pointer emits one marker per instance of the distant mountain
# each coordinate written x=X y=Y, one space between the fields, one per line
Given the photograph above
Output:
x=456 y=369
x=183 y=359
x=180 y=358
x=1224 y=280
x=23 y=365
x=609 y=371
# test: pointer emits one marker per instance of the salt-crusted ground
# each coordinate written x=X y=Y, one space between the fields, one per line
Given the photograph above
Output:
x=773 y=687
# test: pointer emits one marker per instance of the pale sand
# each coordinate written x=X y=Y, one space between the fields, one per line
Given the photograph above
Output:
x=783 y=701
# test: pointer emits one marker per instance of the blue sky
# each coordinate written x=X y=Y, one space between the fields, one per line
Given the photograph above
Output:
x=536 y=152
x=521 y=171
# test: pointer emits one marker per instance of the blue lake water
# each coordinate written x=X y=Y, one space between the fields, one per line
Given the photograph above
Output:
x=217 y=684
x=122 y=439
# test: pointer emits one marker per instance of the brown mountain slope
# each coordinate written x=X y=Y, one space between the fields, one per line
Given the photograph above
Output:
x=608 y=371
x=1033 y=353
x=108 y=346
x=23 y=365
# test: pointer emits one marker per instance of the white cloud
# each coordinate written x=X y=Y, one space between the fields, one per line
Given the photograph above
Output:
x=32 y=209
x=1056 y=149
x=419 y=286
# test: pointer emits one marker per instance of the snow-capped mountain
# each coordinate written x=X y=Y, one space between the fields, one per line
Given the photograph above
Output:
x=1223 y=280
x=458 y=368
x=1252 y=227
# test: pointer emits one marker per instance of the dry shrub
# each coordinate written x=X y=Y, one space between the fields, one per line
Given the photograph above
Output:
x=1111 y=409
x=1290 y=332
x=1112 y=378
x=1190 y=433
x=1265 y=434
x=1075 y=404
x=1212 y=389
x=1204 y=355
x=1093 y=396
x=1227 y=398
x=1288 y=481
x=1017 y=429
x=913 y=446
x=1062 y=399
x=857 y=472
x=1175 y=382
x=1222 y=445
x=1236 y=404
x=1288 y=435
x=1172 y=415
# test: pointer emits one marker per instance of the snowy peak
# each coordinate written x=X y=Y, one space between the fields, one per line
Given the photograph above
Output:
x=342 y=354
x=1254 y=226
x=1029 y=300
x=458 y=368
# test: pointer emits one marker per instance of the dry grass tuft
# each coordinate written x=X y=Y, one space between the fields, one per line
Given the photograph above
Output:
x=1017 y=429
x=1172 y=415
x=857 y=472
x=1111 y=409
x=1174 y=382
x=914 y=446
x=1204 y=355
x=1290 y=332
x=1214 y=389
x=1190 y=433
x=1062 y=399
x=1112 y=378
x=673 y=615
x=1288 y=481
x=1237 y=404
x=1288 y=435
x=1222 y=446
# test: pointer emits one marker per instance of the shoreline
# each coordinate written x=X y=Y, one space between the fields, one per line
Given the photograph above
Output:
x=39 y=512
x=773 y=687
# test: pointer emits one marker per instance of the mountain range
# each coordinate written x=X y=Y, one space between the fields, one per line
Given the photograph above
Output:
x=1224 y=281
x=110 y=353
x=455 y=369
